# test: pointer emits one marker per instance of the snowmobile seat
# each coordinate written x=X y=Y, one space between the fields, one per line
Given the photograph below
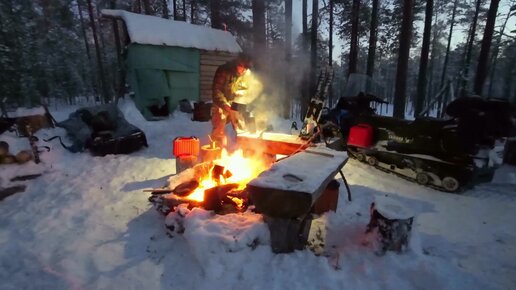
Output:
x=429 y=124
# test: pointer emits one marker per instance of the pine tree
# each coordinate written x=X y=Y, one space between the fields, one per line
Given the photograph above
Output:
x=482 y=67
x=403 y=58
x=423 y=61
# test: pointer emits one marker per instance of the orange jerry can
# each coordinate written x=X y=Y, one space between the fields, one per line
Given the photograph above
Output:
x=361 y=135
x=186 y=146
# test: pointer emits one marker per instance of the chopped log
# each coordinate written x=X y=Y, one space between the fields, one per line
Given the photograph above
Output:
x=158 y=190
x=393 y=223
x=186 y=188
x=219 y=171
x=213 y=197
x=291 y=186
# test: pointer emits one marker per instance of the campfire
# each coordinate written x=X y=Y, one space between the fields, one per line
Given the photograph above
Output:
x=213 y=185
x=234 y=169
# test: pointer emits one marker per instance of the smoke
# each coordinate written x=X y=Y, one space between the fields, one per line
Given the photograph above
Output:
x=276 y=84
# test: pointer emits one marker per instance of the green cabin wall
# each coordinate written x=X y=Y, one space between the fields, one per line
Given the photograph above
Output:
x=155 y=72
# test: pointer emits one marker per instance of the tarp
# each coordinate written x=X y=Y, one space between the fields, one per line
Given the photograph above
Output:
x=158 y=72
x=82 y=125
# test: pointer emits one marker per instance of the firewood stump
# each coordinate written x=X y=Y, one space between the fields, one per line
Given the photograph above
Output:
x=184 y=162
x=509 y=155
x=288 y=234
x=393 y=223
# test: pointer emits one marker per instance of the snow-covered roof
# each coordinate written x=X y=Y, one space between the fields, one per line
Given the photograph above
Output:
x=146 y=29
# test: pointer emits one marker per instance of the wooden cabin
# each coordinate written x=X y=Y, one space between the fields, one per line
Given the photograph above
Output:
x=168 y=61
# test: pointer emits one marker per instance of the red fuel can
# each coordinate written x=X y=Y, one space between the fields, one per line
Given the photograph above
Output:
x=186 y=146
x=361 y=135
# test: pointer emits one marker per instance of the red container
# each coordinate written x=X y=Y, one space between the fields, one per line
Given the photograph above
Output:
x=361 y=135
x=186 y=146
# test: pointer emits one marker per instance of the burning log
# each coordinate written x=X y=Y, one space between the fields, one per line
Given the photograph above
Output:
x=186 y=188
x=220 y=171
x=182 y=189
x=214 y=197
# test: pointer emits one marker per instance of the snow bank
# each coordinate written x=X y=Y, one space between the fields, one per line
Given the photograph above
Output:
x=86 y=224
x=145 y=29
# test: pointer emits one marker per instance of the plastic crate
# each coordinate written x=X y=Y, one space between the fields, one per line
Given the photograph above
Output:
x=186 y=146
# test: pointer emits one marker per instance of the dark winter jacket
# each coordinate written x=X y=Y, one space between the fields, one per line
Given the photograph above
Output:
x=225 y=84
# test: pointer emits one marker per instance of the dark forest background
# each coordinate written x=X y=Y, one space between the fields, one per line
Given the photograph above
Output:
x=420 y=53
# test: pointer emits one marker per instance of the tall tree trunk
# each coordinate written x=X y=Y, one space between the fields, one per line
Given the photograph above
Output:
x=305 y=85
x=100 y=66
x=120 y=72
x=483 y=58
x=258 y=7
x=496 y=50
x=137 y=6
x=403 y=58
x=288 y=56
x=330 y=40
x=353 y=49
x=305 y=25
x=193 y=6
x=330 y=47
x=423 y=61
x=372 y=39
x=83 y=28
x=465 y=77
x=184 y=10
x=174 y=7
x=430 y=91
x=313 y=44
x=88 y=53
x=147 y=7
x=446 y=57
x=216 y=21
x=164 y=3
x=107 y=73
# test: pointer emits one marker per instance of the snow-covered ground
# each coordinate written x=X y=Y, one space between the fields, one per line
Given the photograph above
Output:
x=86 y=224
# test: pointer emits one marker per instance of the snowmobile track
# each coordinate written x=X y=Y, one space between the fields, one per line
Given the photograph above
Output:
x=413 y=180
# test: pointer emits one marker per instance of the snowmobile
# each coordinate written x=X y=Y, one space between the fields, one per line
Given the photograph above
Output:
x=446 y=154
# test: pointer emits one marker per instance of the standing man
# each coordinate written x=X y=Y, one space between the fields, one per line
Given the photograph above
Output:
x=227 y=85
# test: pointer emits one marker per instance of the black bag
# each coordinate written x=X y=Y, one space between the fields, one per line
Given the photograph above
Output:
x=201 y=112
x=103 y=130
x=185 y=106
x=104 y=143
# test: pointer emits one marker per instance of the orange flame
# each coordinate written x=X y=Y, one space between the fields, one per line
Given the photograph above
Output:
x=242 y=169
